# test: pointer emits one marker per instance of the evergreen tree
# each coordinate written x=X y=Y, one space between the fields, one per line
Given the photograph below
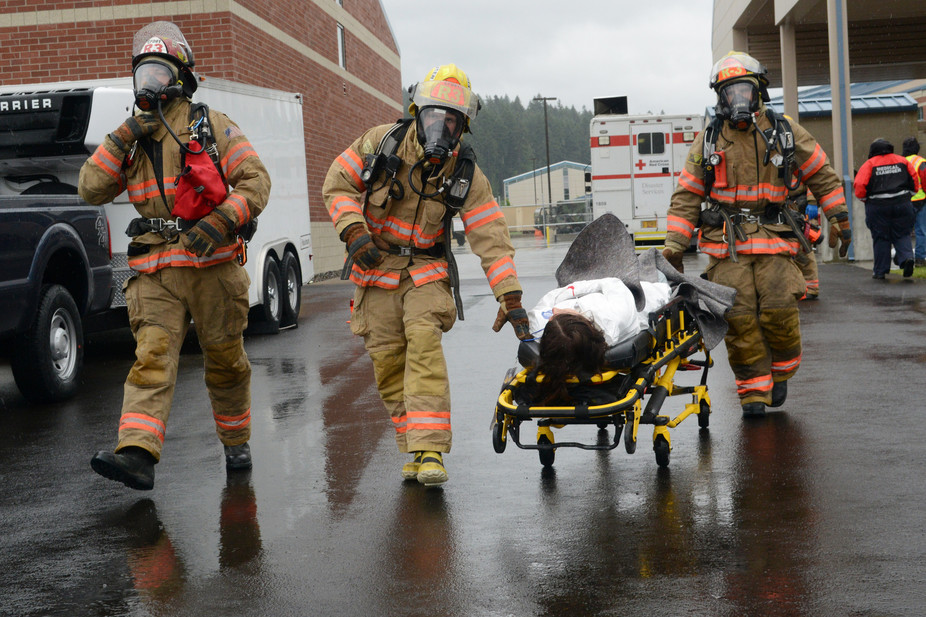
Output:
x=509 y=139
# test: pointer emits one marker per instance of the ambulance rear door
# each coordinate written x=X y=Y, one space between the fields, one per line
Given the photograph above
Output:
x=651 y=172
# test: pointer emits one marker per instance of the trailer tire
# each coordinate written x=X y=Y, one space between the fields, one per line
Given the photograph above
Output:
x=48 y=358
x=264 y=318
x=292 y=291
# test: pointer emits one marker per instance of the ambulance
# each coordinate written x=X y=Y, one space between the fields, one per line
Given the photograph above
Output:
x=636 y=162
x=64 y=122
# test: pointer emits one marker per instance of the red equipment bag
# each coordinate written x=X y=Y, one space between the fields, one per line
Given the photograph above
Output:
x=200 y=186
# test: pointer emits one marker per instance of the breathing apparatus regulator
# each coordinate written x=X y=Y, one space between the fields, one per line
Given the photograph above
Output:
x=443 y=105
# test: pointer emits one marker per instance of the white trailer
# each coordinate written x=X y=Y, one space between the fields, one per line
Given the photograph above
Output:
x=636 y=161
x=81 y=113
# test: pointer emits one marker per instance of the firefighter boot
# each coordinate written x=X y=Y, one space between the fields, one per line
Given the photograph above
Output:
x=754 y=410
x=238 y=457
x=779 y=393
x=431 y=472
x=133 y=466
x=410 y=470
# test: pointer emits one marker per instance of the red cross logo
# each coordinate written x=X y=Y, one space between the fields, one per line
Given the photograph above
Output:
x=640 y=165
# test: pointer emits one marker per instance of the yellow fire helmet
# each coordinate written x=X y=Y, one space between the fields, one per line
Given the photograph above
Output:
x=737 y=65
x=445 y=86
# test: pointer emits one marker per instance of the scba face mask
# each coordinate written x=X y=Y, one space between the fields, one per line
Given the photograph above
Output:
x=439 y=130
x=738 y=103
x=154 y=81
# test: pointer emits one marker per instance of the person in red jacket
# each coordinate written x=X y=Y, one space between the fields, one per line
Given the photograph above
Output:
x=885 y=182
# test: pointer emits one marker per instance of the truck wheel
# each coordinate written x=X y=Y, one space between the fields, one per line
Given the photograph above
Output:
x=49 y=357
x=292 y=291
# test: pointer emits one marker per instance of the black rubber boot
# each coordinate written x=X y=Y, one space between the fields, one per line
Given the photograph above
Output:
x=238 y=457
x=907 y=268
x=779 y=393
x=133 y=466
x=754 y=410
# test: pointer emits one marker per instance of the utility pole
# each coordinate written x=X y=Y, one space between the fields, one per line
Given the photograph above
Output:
x=534 y=174
x=546 y=130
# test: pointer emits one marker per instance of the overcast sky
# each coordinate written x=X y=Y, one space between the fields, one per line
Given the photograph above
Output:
x=656 y=52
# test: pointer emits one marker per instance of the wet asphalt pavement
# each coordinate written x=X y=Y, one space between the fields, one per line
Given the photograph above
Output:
x=817 y=509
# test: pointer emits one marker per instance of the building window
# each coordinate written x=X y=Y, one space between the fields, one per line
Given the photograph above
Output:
x=342 y=52
x=651 y=143
x=565 y=184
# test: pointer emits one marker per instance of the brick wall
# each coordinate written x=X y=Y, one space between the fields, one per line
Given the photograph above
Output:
x=287 y=45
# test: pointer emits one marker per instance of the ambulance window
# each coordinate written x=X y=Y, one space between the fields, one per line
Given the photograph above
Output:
x=651 y=143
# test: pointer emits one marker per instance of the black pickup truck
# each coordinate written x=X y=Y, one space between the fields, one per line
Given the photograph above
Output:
x=55 y=271
x=55 y=255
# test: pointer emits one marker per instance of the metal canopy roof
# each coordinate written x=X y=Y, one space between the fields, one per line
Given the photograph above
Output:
x=821 y=103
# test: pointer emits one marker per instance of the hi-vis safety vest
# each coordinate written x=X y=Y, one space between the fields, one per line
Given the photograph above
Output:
x=917 y=161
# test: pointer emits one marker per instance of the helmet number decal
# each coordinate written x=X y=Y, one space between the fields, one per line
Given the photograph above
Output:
x=449 y=92
x=154 y=45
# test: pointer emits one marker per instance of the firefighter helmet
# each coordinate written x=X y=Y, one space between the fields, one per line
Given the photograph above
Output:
x=445 y=86
x=162 y=40
x=741 y=84
x=735 y=66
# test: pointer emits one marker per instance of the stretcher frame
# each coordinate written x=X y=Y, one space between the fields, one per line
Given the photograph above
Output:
x=671 y=338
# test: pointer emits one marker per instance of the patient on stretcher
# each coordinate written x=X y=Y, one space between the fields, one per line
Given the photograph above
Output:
x=583 y=328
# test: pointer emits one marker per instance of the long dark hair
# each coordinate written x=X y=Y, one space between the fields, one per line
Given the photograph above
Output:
x=570 y=345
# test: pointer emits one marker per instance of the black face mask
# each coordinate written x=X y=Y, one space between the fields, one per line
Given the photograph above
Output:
x=439 y=130
x=738 y=102
x=154 y=82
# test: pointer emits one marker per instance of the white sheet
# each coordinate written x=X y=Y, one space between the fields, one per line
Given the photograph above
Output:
x=607 y=302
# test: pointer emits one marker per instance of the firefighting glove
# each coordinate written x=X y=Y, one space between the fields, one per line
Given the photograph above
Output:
x=845 y=236
x=360 y=246
x=674 y=258
x=209 y=233
x=510 y=309
x=133 y=129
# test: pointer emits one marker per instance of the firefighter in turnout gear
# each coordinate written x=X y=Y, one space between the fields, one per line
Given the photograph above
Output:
x=184 y=268
x=743 y=166
x=392 y=195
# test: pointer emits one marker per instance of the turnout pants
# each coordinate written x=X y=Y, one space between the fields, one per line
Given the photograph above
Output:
x=402 y=330
x=764 y=336
x=160 y=306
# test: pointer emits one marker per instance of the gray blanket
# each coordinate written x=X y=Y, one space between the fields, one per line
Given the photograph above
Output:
x=605 y=249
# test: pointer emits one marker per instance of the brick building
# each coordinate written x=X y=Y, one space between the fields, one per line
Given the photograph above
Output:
x=340 y=54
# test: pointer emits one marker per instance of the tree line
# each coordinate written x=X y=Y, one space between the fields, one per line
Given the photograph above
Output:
x=509 y=138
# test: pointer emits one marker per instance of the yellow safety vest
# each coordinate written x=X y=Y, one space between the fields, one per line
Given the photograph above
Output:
x=917 y=160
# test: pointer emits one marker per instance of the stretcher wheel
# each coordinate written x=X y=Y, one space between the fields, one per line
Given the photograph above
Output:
x=661 y=448
x=546 y=454
x=630 y=442
x=704 y=416
x=498 y=439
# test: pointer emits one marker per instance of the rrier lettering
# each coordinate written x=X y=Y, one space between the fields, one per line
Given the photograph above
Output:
x=25 y=104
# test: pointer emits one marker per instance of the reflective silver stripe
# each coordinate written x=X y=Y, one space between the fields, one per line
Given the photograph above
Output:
x=889 y=195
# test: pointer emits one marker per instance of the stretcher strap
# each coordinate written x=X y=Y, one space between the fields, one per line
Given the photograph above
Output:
x=581 y=410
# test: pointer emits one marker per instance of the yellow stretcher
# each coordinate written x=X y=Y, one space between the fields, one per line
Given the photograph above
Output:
x=642 y=367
